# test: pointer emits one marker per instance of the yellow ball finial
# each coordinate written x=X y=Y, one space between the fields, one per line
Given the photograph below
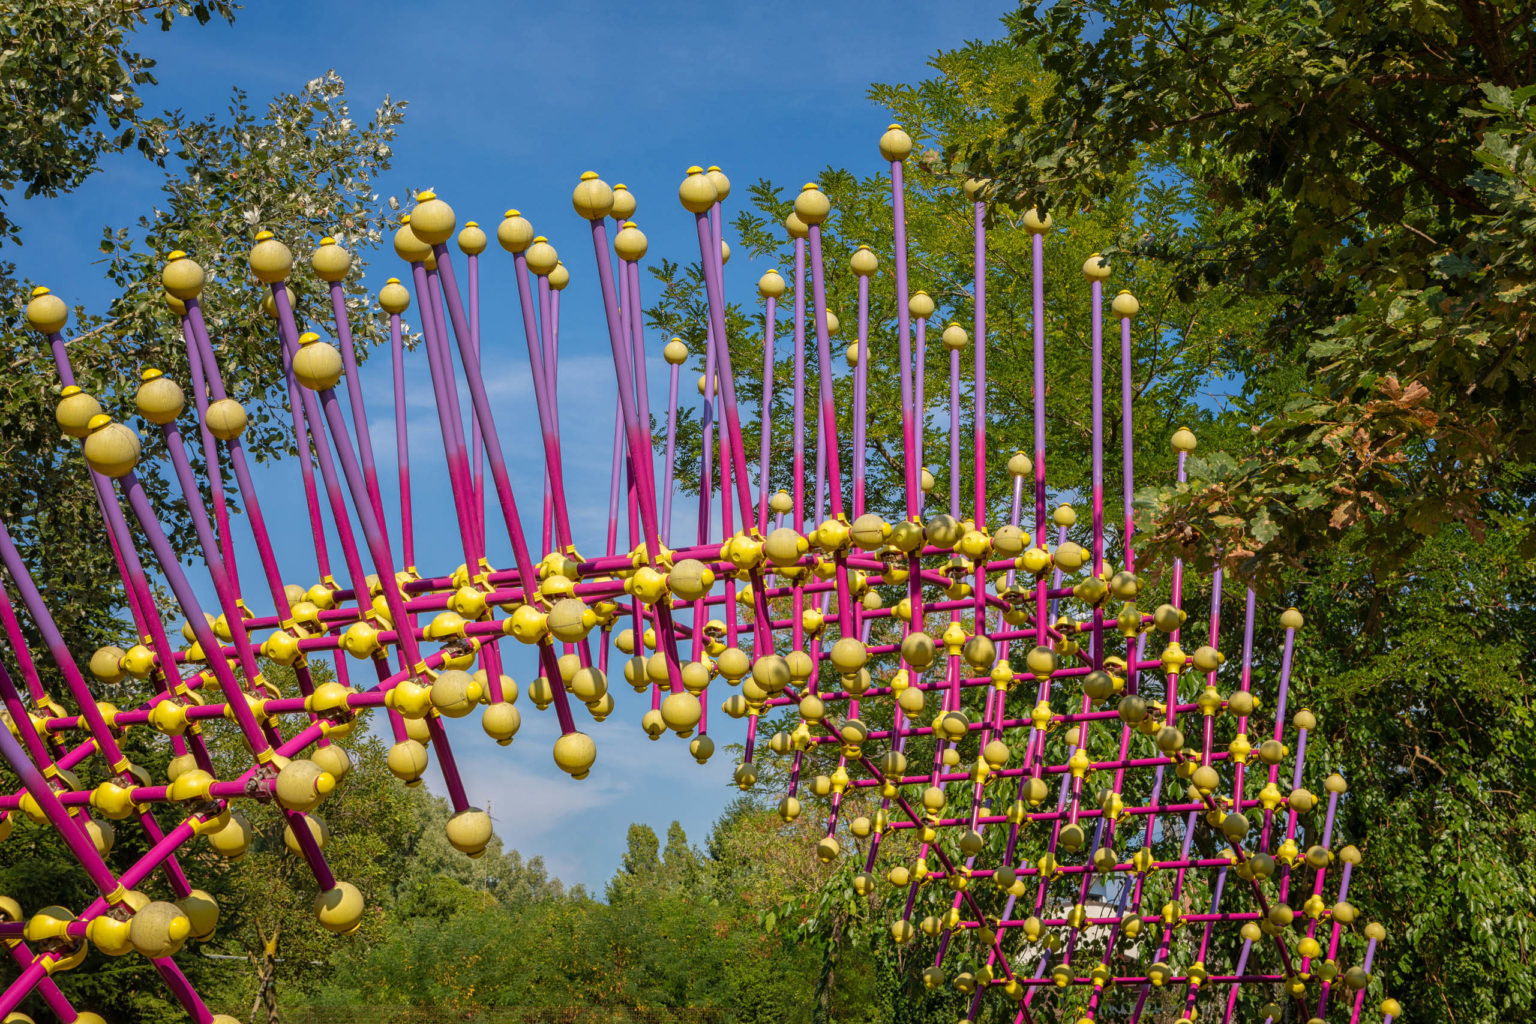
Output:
x=675 y=352
x=812 y=205
x=1035 y=222
x=955 y=337
x=895 y=144
x=515 y=232
x=864 y=262
x=1095 y=268
x=770 y=285
x=159 y=399
x=559 y=277
x=271 y=261
x=182 y=278
x=1125 y=305
x=623 y=202
x=697 y=193
x=409 y=245
x=1183 y=440
x=330 y=262
x=795 y=226
x=593 y=199
x=432 y=220
x=393 y=297
x=630 y=243
x=541 y=256
x=46 y=313
x=718 y=179
x=112 y=449
x=472 y=240
x=920 y=305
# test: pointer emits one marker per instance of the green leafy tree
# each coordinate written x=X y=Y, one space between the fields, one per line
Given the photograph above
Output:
x=302 y=164
x=74 y=82
x=1370 y=166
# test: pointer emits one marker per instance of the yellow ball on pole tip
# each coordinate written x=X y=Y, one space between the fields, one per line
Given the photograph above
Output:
x=697 y=193
x=46 y=313
x=432 y=220
x=895 y=144
x=515 y=232
x=592 y=198
x=812 y=205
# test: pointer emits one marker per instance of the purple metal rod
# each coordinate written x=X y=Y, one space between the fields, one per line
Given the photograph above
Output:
x=514 y=525
x=402 y=444
x=798 y=464
x=543 y=399
x=860 y=396
x=765 y=416
x=979 y=383
x=355 y=396
x=912 y=461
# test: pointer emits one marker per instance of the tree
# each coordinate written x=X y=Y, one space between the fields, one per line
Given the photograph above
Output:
x=74 y=83
x=302 y=164
x=1369 y=165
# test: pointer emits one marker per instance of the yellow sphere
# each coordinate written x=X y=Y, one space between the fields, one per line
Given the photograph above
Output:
x=317 y=364
x=407 y=760
x=541 y=257
x=718 y=179
x=472 y=240
x=202 y=911
x=864 y=262
x=515 y=232
x=159 y=399
x=340 y=909
x=795 y=226
x=470 y=831
x=955 y=337
x=112 y=449
x=920 y=305
x=317 y=828
x=593 y=199
x=812 y=205
x=159 y=929
x=331 y=262
x=1095 y=268
x=302 y=784
x=501 y=722
x=455 y=693
x=393 y=297
x=630 y=243
x=681 y=711
x=176 y=305
x=1291 y=619
x=1183 y=440
x=408 y=244
x=623 y=202
x=271 y=261
x=895 y=144
x=46 y=313
x=697 y=193
x=1035 y=222
x=182 y=277
x=269 y=302
x=432 y=220
x=234 y=838
x=559 y=277
x=1125 y=305
x=75 y=411
x=226 y=419
x=574 y=754
x=675 y=352
x=770 y=285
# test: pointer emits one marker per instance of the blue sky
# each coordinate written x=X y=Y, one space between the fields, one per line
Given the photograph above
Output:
x=509 y=103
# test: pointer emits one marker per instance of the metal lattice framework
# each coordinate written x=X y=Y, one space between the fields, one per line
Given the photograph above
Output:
x=1009 y=741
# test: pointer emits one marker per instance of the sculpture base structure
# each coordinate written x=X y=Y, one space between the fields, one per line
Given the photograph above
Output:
x=1035 y=760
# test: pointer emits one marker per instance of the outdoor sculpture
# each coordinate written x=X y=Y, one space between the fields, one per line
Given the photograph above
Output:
x=1021 y=718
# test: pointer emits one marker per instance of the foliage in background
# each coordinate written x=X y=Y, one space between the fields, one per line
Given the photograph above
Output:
x=1373 y=168
x=73 y=83
x=302 y=164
